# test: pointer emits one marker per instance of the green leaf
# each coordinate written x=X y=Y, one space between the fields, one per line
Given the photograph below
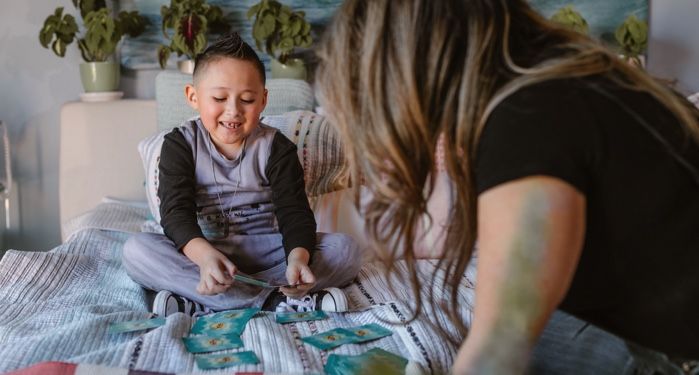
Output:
x=571 y=19
x=284 y=18
x=59 y=47
x=45 y=35
x=163 y=55
x=257 y=32
x=268 y=25
x=296 y=26
x=84 y=52
x=253 y=10
x=199 y=45
x=307 y=41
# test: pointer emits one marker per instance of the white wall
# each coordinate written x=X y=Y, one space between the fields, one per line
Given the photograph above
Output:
x=35 y=83
x=673 y=50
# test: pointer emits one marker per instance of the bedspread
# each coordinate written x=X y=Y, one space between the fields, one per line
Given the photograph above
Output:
x=57 y=306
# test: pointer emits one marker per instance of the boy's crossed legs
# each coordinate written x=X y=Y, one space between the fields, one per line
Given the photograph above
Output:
x=152 y=260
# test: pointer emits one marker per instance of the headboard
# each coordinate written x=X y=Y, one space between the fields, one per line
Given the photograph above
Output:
x=99 y=158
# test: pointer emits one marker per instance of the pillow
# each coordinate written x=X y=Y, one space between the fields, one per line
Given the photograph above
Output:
x=284 y=95
x=319 y=151
x=149 y=149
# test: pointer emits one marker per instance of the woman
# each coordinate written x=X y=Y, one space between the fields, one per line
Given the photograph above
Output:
x=578 y=174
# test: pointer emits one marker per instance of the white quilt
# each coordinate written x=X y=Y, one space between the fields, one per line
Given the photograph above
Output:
x=57 y=305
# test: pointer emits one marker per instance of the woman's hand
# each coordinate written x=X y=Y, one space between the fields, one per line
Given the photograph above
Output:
x=215 y=269
x=298 y=272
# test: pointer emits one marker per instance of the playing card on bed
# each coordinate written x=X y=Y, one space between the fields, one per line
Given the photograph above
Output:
x=283 y=318
x=375 y=361
x=214 y=361
x=224 y=322
x=330 y=339
x=205 y=344
x=135 y=325
x=369 y=332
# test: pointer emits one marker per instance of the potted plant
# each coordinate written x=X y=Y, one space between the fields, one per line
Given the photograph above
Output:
x=632 y=36
x=191 y=21
x=571 y=19
x=280 y=30
x=101 y=35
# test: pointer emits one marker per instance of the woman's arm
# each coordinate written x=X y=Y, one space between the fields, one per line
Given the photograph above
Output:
x=530 y=236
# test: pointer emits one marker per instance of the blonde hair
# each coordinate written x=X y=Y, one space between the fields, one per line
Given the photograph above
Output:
x=396 y=74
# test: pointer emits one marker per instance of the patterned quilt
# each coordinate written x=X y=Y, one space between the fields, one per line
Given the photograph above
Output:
x=57 y=306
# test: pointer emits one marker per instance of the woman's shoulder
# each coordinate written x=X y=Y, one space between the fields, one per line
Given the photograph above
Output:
x=550 y=95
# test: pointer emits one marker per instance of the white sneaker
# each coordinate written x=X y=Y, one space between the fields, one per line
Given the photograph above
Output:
x=167 y=303
x=328 y=299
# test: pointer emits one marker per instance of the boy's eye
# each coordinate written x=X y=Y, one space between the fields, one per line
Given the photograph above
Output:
x=247 y=101
x=219 y=99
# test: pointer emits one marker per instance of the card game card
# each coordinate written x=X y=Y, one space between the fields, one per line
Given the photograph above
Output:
x=369 y=332
x=135 y=325
x=375 y=361
x=330 y=339
x=206 y=344
x=215 y=361
x=283 y=318
x=224 y=322
x=252 y=281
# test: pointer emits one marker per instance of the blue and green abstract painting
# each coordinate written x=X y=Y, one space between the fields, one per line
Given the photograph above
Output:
x=603 y=17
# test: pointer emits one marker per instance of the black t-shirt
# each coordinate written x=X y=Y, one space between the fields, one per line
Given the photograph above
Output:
x=637 y=276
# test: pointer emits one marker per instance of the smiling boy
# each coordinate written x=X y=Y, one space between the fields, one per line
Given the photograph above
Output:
x=233 y=201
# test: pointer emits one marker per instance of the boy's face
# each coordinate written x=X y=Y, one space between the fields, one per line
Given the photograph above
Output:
x=229 y=96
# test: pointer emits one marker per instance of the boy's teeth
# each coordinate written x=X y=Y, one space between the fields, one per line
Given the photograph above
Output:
x=232 y=125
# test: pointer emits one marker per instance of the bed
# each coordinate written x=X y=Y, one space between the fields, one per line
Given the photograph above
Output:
x=57 y=305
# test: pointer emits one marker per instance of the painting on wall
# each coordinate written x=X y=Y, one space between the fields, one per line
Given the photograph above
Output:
x=602 y=16
x=141 y=52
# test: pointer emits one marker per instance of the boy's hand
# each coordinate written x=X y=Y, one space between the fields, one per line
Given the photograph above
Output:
x=298 y=272
x=215 y=269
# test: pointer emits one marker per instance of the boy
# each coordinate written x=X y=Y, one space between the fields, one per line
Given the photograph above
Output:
x=233 y=201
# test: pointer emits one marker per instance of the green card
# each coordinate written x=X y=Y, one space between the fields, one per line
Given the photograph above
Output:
x=283 y=318
x=249 y=280
x=375 y=361
x=214 y=361
x=224 y=322
x=369 y=332
x=330 y=339
x=206 y=344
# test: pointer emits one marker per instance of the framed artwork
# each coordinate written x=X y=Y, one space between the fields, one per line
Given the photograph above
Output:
x=602 y=16
x=141 y=52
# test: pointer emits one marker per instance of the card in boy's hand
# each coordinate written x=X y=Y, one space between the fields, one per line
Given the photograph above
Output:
x=224 y=322
x=369 y=332
x=330 y=339
x=291 y=317
x=375 y=361
x=135 y=325
x=214 y=361
x=205 y=344
x=252 y=281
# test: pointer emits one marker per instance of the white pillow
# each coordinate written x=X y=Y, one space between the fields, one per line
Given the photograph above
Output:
x=149 y=149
